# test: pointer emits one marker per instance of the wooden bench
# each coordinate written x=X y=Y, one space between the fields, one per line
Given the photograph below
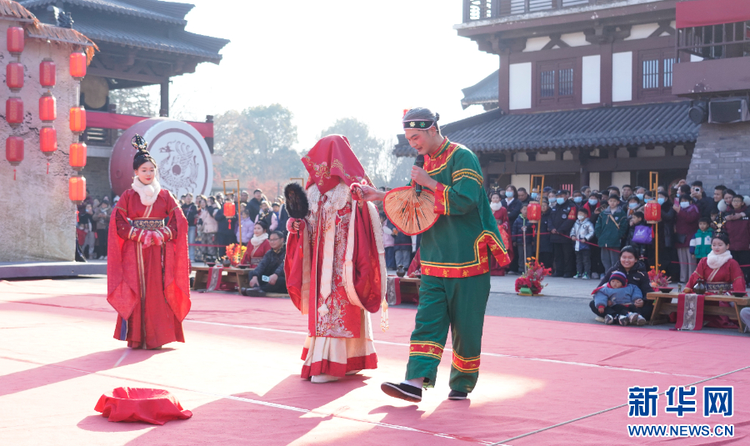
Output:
x=231 y=275
x=663 y=305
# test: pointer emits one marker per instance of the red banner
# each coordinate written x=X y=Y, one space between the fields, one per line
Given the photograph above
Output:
x=711 y=12
x=104 y=120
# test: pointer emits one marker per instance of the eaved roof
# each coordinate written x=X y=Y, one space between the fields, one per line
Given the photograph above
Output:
x=146 y=9
x=143 y=24
x=484 y=92
x=494 y=131
x=181 y=42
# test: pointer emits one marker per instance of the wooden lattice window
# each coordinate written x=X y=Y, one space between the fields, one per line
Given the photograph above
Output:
x=556 y=82
x=655 y=77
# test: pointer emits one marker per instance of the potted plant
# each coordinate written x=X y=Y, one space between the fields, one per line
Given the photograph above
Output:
x=235 y=252
x=530 y=282
x=659 y=280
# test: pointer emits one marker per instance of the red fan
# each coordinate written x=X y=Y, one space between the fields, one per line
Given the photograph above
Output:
x=410 y=212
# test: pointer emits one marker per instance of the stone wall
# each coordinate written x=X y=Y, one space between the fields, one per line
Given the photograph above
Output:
x=38 y=219
x=722 y=156
x=97 y=177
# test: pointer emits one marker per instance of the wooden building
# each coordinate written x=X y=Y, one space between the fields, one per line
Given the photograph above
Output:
x=141 y=43
x=583 y=93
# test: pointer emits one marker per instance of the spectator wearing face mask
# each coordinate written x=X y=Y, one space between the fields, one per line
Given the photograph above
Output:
x=634 y=205
x=503 y=225
x=578 y=199
x=582 y=232
x=611 y=227
x=561 y=222
x=511 y=202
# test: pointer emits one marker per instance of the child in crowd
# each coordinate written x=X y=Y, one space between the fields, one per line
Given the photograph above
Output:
x=700 y=245
x=616 y=301
x=638 y=237
x=581 y=233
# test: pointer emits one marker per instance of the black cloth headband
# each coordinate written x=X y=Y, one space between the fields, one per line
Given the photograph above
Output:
x=419 y=124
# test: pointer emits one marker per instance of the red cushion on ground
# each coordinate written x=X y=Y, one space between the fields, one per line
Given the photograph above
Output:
x=155 y=406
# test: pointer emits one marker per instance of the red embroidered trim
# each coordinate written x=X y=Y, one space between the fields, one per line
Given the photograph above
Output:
x=441 y=199
x=465 y=365
x=426 y=348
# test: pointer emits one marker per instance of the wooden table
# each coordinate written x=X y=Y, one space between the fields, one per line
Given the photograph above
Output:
x=663 y=305
x=407 y=286
x=229 y=274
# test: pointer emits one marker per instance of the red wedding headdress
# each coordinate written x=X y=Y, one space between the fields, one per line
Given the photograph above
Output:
x=331 y=161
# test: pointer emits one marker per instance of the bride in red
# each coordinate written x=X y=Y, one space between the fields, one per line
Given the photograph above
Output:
x=335 y=265
x=147 y=260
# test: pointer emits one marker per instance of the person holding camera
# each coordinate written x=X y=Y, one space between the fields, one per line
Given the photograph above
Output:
x=269 y=276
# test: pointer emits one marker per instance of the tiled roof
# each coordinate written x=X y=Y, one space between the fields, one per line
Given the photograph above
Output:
x=13 y=9
x=146 y=9
x=484 y=92
x=599 y=127
x=181 y=42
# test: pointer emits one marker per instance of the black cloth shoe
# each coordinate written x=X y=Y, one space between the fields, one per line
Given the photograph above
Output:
x=402 y=391
x=253 y=292
x=456 y=395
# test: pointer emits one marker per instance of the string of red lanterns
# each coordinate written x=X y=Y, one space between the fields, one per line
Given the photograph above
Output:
x=77 y=118
x=14 y=79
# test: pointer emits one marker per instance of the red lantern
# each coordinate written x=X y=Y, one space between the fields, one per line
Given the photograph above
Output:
x=78 y=65
x=47 y=73
x=14 y=76
x=652 y=212
x=78 y=156
x=48 y=140
x=77 y=189
x=47 y=107
x=77 y=119
x=15 y=40
x=229 y=209
x=14 y=152
x=534 y=212
x=14 y=111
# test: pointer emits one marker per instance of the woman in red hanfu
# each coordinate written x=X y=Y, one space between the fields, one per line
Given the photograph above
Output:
x=501 y=216
x=721 y=274
x=335 y=265
x=147 y=260
x=258 y=245
x=718 y=270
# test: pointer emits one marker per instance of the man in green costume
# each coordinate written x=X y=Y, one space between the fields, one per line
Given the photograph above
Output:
x=455 y=261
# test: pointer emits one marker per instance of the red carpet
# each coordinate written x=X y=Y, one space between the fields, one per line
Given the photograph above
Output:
x=541 y=382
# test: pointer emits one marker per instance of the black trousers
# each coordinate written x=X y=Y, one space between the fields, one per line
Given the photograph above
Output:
x=565 y=261
x=278 y=287
x=618 y=310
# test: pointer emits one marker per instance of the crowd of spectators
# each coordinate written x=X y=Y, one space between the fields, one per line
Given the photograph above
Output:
x=210 y=231
x=583 y=231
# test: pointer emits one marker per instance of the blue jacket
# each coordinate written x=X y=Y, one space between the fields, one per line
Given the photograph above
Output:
x=626 y=295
